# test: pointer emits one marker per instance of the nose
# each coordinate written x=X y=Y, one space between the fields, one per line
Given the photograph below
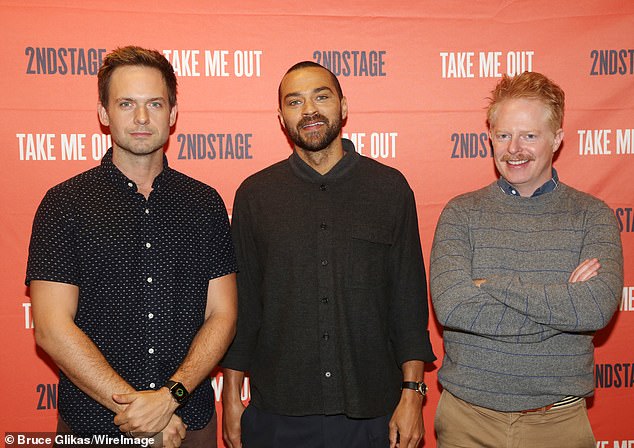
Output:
x=141 y=115
x=309 y=108
x=514 y=144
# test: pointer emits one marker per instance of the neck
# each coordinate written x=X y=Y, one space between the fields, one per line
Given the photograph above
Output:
x=142 y=169
x=324 y=160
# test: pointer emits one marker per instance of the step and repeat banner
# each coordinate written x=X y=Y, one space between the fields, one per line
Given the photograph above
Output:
x=416 y=75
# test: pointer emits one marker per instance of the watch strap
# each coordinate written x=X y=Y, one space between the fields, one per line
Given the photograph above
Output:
x=418 y=386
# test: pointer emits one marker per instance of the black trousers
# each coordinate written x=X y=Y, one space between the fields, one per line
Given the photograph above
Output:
x=262 y=429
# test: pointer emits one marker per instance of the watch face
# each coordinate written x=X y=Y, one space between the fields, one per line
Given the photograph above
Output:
x=179 y=392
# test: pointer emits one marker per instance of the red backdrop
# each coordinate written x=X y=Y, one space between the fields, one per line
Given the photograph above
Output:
x=416 y=75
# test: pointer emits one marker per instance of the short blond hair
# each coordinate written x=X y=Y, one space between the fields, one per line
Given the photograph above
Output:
x=529 y=85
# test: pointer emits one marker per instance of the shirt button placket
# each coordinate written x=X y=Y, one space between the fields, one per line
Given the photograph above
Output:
x=148 y=254
x=324 y=225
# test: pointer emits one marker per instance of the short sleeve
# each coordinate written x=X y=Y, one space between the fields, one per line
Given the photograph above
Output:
x=52 y=250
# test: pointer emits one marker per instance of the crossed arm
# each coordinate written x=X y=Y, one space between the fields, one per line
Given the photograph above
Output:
x=585 y=271
x=508 y=308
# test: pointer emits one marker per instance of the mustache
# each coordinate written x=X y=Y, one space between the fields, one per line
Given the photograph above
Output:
x=312 y=119
x=516 y=157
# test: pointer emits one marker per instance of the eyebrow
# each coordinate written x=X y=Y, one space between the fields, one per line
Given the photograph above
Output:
x=317 y=90
x=129 y=98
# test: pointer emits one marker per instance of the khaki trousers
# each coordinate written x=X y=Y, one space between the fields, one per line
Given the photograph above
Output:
x=460 y=424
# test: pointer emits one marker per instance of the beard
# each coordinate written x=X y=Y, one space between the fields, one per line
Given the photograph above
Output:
x=318 y=140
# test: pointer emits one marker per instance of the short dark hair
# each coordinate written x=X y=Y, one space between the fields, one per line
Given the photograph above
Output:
x=132 y=55
x=309 y=64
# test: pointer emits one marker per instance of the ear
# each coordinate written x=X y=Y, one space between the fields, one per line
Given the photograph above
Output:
x=559 y=137
x=344 y=108
x=173 y=114
x=103 y=114
x=279 y=117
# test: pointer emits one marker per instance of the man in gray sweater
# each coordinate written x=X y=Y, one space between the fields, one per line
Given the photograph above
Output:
x=523 y=272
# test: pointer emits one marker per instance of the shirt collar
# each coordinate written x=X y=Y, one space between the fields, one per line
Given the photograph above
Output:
x=121 y=180
x=343 y=166
x=549 y=186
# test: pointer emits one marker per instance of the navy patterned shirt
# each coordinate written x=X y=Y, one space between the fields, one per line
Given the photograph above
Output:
x=142 y=267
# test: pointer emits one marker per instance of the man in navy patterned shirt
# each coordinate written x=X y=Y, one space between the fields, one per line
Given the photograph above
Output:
x=132 y=273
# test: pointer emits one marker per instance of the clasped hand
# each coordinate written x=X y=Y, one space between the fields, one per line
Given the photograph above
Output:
x=145 y=412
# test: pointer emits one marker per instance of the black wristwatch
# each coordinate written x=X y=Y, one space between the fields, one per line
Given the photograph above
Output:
x=178 y=391
x=418 y=386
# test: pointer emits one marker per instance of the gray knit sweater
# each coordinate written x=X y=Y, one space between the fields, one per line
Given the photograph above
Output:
x=524 y=338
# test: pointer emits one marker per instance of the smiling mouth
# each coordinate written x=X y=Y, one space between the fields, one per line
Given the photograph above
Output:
x=517 y=162
x=313 y=125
